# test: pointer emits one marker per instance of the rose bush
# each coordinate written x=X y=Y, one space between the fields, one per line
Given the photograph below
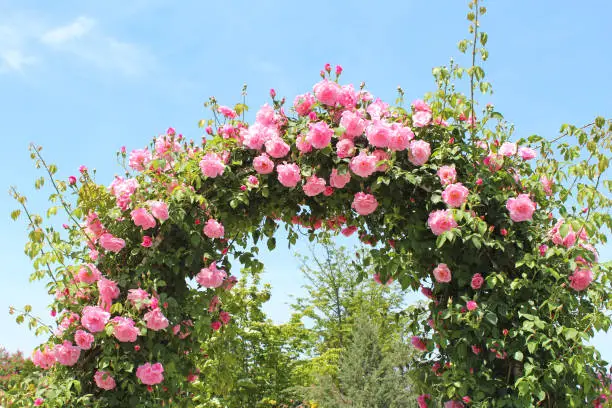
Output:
x=447 y=202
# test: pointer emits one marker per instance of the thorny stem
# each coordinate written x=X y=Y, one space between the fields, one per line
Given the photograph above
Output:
x=473 y=65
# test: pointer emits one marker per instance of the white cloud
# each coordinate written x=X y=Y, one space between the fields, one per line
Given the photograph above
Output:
x=14 y=60
x=73 y=31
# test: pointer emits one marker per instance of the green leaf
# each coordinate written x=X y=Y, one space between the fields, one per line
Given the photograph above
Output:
x=518 y=356
x=491 y=318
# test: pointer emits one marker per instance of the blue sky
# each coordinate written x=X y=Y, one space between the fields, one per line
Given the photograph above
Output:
x=83 y=78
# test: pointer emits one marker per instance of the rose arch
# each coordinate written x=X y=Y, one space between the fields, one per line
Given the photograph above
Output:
x=449 y=205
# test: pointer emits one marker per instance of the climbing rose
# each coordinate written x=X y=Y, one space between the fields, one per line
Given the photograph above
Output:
x=347 y=96
x=527 y=153
x=109 y=291
x=547 y=185
x=419 y=152
x=345 y=148
x=327 y=92
x=150 y=374
x=140 y=159
x=364 y=204
x=319 y=134
x=124 y=329
x=44 y=358
x=400 y=137
x=288 y=174
x=421 y=400
x=378 y=133
x=83 y=339
x=303 y=104
x=364 y=164
x=418 y=343
x=455 y=195
x=142 y=218
x=421 y=106
x=104 y=380
x=353 y=123
x=225 y=317
x=568 y=240
x=581 y=279
x=211 y=277
x=156 y=320
x=88 y=273
x=453 y=404
x=277 y=148
x=38 y=402
x=378 y=109
x=216 y=325
x=521 y=208
x=214 y=229
x=471 y=305
x=421 y=118
x=303 y=145
x=507 y=149
x=94 y=318
x=159 y=209
x=67 y=354
x=227 y=112
x=477 y=281
x=212 y=165
x=122 y=190
x=314 y=186
x=381 y=156
x=339 y=180
x=442 y=273
x=447 y=174
x=139 y=298
x=147 y=241
x=263 y=164
x=440 y=221
x=111 y=243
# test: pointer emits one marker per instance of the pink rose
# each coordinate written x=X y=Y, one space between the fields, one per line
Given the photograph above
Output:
x=159 y=209
x=547 y=185
x=347 y=96
x=527 y=153
x=521 y=208
x=276 y=147
x=345 y=148
x=44 y=358
x=453 y=404
x=477 y=281
x=494 y=161
x=420 y=106
x=212 y=165
x=150 y=374
x=147 y=241
x=139 y=298
x=378 y=133
x=211 y=277
x=421 y=118
x=111 y=243
x=83 y=339
x=142 y=218
x=288 y=174
x=378 y=109
x=216 y=325
x=214 y=229
x=348 y=231
x=88 y=273
x=422 y=400
x=447 y=174
x=455 y=195
x=327 y=92
x=156 y=320
x=363 y=164
x=94 y=318
x=104 y=380
x=364 y=204
x=471 y=305
x=140 y=159
x=381 y=157
x=67 y=354
x=225 y=317
x=252 y=180
x=418 y=343
x=109 y=291
x=124 y=329
x=353 y=123
x=38 y=402
x=227 y=112
x=265 y=116
x=123 y=190
x=568 y=240
x=263 y=164
x=441 y=221
x=319 y=134
x=507 y=149
x=337 y=180
x=400 y=138
x=303 y=104
x=257 y=134
x=314 y=186
x=442 y=273
x=303 y=145
x=581 y=279
x=165 y=145
x=419 y=152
